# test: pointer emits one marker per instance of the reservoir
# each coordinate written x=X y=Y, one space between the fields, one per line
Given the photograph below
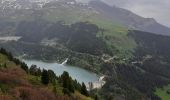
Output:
x=80 y=74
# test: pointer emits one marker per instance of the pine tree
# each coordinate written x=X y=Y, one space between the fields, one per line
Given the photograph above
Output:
x=33 y=69
x=84 y=90
x=45 y=77
x=65 y=79
x=67 y=82
x=96 y=97
x=39 y=72
x=52 y=76
x=24 y=67
x=77 y=85
x=70 y=85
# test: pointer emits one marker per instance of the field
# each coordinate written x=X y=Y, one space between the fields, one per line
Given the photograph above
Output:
x=162 y=93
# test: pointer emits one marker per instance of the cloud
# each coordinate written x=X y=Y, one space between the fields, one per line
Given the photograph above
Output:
x=157 y=9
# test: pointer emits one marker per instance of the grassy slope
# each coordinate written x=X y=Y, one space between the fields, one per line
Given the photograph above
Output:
x=162 y=92
x=3 y=58
x=15 y=80
x=116 y=32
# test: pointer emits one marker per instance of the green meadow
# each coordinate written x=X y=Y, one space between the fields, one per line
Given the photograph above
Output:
x=162 y=92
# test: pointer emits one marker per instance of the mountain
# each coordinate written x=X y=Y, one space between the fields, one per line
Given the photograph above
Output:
x=131 y=51
x=129 y=19
x=93 y=8
x=13 y=19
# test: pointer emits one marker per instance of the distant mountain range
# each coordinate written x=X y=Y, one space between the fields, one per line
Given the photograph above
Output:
x=130 y=19
x=110 y=13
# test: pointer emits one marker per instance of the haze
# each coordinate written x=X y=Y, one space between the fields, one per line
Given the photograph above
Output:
x=157 y=9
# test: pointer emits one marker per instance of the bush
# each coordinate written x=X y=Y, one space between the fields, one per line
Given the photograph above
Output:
x=168 y=91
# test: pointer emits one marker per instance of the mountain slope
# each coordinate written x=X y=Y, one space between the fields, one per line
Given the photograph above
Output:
x=147 y=71
x=95 y=37
x=19 y=82
x=69 y=13
x=129 y=19
x=74 y=12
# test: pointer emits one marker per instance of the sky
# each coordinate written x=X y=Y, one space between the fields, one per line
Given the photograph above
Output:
x=157 y=9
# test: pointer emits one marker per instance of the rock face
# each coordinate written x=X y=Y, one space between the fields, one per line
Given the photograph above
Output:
x=129 y=19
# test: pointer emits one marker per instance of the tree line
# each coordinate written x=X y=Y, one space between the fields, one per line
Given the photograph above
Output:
x=48 y=76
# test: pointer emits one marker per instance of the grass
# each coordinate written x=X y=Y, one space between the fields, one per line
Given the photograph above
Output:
x=162 y=92
x=35 y=80
x=3 y=59
x=82 y=97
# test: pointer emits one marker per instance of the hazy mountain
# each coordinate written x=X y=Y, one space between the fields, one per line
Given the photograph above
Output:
x=129 y=19
x=112 y=13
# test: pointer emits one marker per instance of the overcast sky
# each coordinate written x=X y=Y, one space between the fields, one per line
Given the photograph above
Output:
x=157 y=9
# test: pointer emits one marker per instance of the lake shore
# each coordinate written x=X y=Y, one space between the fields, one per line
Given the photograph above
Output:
x=97 y=84
x=80 y=74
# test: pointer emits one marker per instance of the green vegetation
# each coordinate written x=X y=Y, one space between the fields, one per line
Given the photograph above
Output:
x=32 y=83
x=135 y=62
x=3 y=58
x=139 y=67
x=67 y=83
x=84 y=90
x=45 y=77
x=163 y=92
x=114 y=34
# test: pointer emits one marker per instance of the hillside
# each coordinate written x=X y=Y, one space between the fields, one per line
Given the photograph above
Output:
x=135 y=78
x=131 y=51
x=71 y=12
x=19 y=82
x=112 y=22
x=68 y=13
x=147 y=71
x=129 y=19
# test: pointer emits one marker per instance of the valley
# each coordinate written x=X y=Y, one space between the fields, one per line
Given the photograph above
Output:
x=91 y=40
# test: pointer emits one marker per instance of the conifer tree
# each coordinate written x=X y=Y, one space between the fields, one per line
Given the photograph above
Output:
x=67 y=82
x=70 y=85
x=84 y=90
x=45 y=77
